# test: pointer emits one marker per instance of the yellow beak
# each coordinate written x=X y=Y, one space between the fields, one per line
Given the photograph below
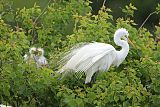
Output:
x=129 y=41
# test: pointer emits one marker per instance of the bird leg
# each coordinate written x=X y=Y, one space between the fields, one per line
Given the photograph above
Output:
x=93 y=79
x=89 y=84
x=89 y=77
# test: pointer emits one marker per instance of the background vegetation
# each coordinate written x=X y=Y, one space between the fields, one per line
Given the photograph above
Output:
x=59 y=26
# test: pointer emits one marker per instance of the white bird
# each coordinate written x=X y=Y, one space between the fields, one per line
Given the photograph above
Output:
x=32 y=52
x=29 y=57
x=40 y=59
x=25 y=57
x=97 y=57
x=36 y=55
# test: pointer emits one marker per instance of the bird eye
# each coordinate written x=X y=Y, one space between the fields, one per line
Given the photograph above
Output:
x=126 y=36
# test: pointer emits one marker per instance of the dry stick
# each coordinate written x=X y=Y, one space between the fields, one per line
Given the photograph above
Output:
x=146 y=20
x=34 y=23
x=42 y=11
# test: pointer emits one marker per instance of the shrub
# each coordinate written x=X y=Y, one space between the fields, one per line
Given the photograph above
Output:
x=62 y=25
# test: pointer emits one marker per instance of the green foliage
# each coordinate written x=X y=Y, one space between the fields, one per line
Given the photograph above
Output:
x=129 y=10
x=158 y=9
x=62 y=25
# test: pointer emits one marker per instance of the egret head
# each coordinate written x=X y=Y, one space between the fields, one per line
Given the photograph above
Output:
x=123 y=34
x=40 y=52
x=32 y=50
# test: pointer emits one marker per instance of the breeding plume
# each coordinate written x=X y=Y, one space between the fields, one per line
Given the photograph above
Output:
x=36 y=55
x=97 y=57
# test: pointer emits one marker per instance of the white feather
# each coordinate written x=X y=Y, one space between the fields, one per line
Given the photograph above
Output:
x=1 y=105
x=25 y=57
x=94 y=57
x=41 y=61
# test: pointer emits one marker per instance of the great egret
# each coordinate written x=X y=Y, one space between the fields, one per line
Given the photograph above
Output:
x=97 y=57
x=36 y=55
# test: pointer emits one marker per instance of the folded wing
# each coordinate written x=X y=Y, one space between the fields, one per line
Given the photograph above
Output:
x=91 y=57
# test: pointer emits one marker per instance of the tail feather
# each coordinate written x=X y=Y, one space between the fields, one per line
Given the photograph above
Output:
x=60 y=71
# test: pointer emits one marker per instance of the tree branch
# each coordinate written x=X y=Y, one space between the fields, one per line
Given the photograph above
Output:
x=146 y=20
x=34 y=23
x=42 y=12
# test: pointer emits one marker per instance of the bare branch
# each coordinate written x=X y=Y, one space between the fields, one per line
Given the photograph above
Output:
x=34 y=23
x=146 y=20
x=42 y=12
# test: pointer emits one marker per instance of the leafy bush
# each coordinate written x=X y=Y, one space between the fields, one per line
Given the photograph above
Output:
x=62 y=25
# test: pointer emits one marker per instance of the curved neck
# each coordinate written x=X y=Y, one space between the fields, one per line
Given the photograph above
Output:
x=125 y=49
x=121 y=55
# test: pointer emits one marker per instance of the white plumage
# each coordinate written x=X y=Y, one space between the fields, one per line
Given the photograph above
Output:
x=25 y=57
x=1 y=105
x=30 y=57
x=36 y=55
x=95 y=57
x=40 y=59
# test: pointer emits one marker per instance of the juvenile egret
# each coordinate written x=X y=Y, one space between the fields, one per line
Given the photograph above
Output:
x=25 y=57
x=36 y=55
x=97 y=57
x=29 y=57
x=40 y=59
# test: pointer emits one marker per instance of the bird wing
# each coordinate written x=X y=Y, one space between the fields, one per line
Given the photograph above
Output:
x=89 y=55
x=101 y=61
x=68 y=55
x=42 y=61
